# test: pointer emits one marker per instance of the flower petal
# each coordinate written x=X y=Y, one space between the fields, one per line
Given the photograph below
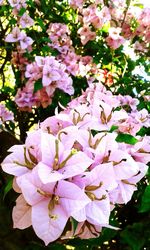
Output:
x=21 y=214
x=72 y=198
x=46 y=228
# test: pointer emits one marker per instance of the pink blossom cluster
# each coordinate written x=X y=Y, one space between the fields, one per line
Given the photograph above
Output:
x=19 y=36
x=26 y=99
x=59 y=36
x=52 y=75
x=115 y=40
x=17 y=4
x=24 y=21
x=124 y=22
x=76 y=4
x=126 y=122
x=134 y=22
x=73 y=167
x=18 y=60
x=143 y=31
x=76 y=65
x=5 y=114
x=92 y=16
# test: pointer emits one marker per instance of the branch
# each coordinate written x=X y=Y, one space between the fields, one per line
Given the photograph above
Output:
x=125 y=12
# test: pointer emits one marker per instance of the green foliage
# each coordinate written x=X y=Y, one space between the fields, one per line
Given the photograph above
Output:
x=135 y=236
x=21 y=11
x=74 y=224
x=145 y=204
x=127 y=138
x=113 y=128
x=38 y=85
x=8 y=187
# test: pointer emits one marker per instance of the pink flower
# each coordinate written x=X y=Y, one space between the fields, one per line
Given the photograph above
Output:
x=23 y=158
x=68 y=167
x=142 y=117
x=86 y=34
x=25 y=41
x=5 y=114
x=14 y=3
x=49 y=75
x=52 y=204
x=66 y=83
x=26 y=21
x=86 y=230
x=45 y=98
x=123 y=193
x=98 y=210
x=14 y=36
x=54 y=124
x=60 y=163
x=105 y=14
x=25 y=99
x=141 y=150
x=32 y=70
x=13 y=161
x=114 y=40
x=76 y=3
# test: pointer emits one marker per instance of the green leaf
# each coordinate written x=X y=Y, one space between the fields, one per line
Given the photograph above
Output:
x=113 y=128
x=129 y=139
x=145 y=205
x=74 y=224
x=46 y=50
x=21 y=11
x=38 y=85
x=140 y=5
x=12 y=21
x=134 y=236
x=106 y=27
x=41 y=23
x=8 y=188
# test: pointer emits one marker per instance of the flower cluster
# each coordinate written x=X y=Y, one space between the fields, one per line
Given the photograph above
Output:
x=114 y=24
x=24 y=21
x=124 y=22
x=52 y=74
x=5 y=114
x=76 y=65
x=19 y=36
x=75 y=167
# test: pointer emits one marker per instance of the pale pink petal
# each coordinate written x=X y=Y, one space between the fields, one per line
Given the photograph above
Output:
x=77 y=164
x=72 y=198
x=103 y=173
x=98 y=212
x=21 y=214
x=48 y=148
x=88 y=231
x=15 y=186
x=80 y=215
x=31 y=184
x=15 y=163
x=28 y=188
x=126 y=191
x=127 y=166
x=46 y=228
x=47 y=175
